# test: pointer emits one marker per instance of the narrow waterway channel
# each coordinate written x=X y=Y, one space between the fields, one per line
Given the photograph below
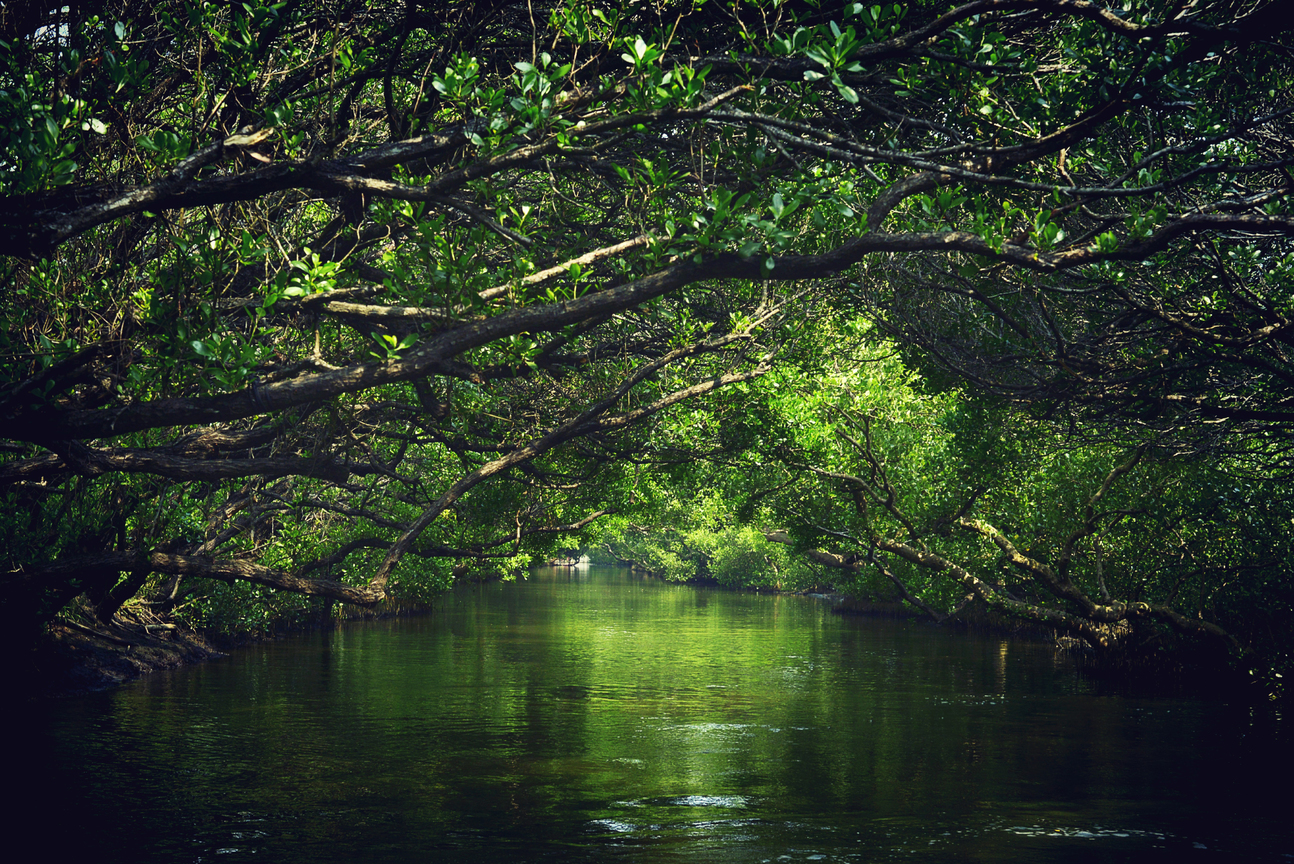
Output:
x=596 y=715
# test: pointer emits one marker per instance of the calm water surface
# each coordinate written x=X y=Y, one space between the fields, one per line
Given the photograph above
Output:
x=594 y=715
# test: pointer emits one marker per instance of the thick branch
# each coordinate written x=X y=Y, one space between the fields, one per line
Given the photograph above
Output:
x=1083 y=628
x=207 y=568
x=76 y=457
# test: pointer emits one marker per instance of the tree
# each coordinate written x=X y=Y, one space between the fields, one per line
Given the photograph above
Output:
x=298 y=289
x=941 y=500
x=853 y=473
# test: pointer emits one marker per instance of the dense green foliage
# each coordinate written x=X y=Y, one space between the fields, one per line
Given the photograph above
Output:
x=348 y=299
x=864 y=461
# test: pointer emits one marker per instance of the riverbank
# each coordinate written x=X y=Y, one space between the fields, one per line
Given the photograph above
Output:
x=74 y=659
x=78 y=657
x=1163 y=664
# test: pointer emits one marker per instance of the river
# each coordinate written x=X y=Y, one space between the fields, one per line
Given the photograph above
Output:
x=597 y=715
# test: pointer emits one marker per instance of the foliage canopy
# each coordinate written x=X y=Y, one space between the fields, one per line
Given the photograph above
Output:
x=297 y=290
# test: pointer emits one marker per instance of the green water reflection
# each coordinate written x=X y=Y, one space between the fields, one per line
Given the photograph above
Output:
x=597 y=715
